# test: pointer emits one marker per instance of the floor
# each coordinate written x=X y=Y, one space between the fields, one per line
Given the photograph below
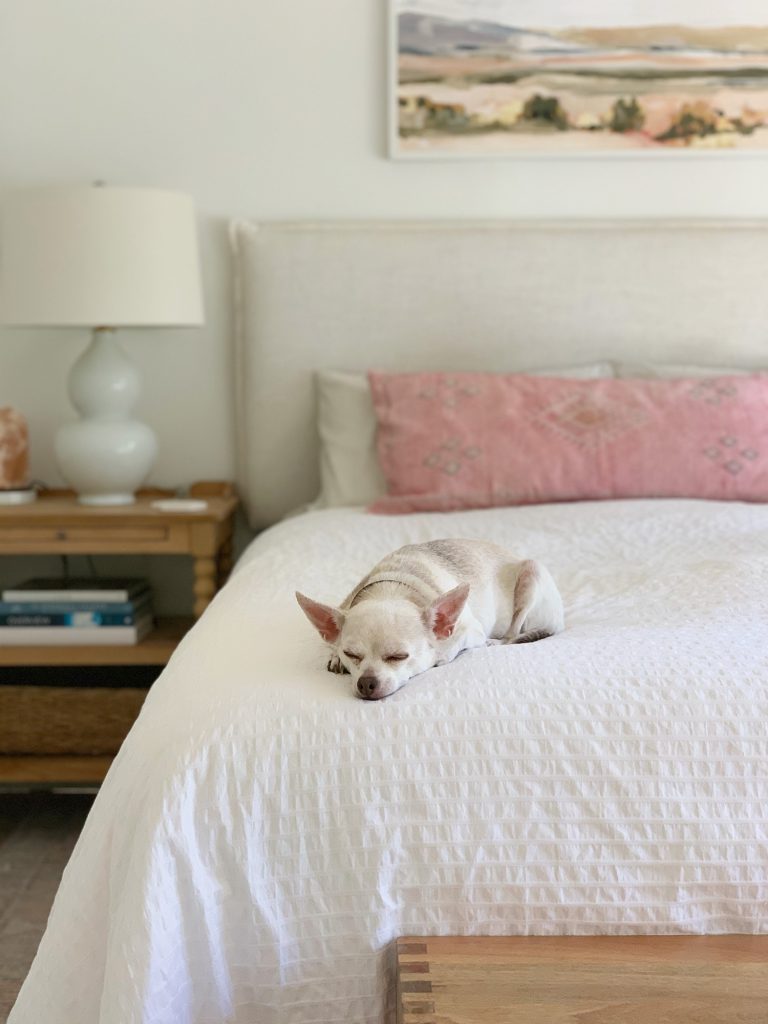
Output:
x=37 y=834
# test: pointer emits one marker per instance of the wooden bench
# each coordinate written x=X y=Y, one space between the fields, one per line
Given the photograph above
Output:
x=721 y=979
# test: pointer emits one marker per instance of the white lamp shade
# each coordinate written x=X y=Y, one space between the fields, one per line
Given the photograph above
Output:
x=99 y=256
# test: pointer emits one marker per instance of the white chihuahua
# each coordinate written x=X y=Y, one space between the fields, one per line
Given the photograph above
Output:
x=424 y=604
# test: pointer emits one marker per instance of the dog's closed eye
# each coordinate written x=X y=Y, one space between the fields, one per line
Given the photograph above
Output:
x=396 y=657
x=352 y=657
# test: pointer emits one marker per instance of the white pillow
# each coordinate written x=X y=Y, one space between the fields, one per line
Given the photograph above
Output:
x=346 y=423
x=670 y=370
x=349 y=467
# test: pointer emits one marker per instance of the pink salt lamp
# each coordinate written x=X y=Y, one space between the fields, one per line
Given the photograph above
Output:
x=14 y=451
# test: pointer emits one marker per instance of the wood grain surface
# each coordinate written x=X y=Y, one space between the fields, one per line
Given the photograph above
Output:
x=46 y=770
x=583 y=980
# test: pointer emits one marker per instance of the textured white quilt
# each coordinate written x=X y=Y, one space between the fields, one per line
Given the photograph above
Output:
x=263 y=836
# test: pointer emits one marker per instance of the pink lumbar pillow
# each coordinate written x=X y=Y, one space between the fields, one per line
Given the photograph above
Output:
x=475 y=440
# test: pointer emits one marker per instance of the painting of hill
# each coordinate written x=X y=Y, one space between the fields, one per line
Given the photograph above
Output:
x=531 y=77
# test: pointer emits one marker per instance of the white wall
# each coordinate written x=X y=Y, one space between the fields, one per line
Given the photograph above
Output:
x=263 y=108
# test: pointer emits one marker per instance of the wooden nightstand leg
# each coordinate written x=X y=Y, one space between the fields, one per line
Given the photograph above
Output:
x=204 y=547
x=225 y=561
x=205 y=584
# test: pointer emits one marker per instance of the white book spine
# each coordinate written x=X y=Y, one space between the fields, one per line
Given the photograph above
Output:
x=52 y=636
x=103 y=596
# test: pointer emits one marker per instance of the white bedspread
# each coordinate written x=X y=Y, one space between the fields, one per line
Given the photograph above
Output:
x=263 y=836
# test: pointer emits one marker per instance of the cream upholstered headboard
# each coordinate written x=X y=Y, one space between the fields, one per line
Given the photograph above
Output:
x=459 y=296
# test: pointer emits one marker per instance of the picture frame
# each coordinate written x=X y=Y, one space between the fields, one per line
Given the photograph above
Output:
x=693 y=119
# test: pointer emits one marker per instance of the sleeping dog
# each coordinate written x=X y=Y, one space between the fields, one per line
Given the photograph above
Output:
x=424 y=604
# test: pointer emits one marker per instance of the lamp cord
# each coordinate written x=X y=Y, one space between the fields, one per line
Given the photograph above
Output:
x=66 y=568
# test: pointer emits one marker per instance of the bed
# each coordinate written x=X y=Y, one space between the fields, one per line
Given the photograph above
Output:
x=263 y=836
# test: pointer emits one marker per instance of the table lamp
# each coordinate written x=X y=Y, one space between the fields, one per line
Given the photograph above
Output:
x=101 y=257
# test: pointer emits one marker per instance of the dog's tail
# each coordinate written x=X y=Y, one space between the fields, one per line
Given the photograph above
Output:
x=531 y=636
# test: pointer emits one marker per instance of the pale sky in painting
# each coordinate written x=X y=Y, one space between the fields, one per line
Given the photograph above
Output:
x=603 y=13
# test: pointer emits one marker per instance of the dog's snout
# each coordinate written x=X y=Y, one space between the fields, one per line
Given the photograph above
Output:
x=367 y=686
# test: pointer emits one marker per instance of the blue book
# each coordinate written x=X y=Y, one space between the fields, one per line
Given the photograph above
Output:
x=69 y=607
x=76 y=619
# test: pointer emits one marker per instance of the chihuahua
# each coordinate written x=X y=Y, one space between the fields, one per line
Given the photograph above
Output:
x=424 y=604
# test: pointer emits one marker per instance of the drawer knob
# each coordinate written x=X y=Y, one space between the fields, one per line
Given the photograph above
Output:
x=61 y=535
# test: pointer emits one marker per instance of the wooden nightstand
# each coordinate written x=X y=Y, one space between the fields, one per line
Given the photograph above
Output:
x=67 y=734
x=627 y=979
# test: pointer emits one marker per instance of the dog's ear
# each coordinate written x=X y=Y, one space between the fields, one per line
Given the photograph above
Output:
x=442 y=614
x=326 y=620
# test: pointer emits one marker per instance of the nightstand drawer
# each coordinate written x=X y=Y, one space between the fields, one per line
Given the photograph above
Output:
x=51 y=538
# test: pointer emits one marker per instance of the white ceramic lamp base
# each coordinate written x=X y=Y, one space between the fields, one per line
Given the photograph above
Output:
x=106 y=455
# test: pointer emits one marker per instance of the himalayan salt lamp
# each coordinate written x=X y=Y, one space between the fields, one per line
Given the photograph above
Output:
x=14 y=450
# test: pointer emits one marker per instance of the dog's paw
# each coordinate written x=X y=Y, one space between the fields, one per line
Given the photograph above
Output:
x=492 y=642
x=335 y=665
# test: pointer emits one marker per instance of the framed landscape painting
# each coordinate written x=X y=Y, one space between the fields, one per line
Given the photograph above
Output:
x=564 y=77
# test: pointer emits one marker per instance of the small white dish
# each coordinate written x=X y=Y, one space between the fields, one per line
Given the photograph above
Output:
x=24 y=496
x=180 y=505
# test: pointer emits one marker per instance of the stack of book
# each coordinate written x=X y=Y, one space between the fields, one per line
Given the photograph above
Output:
x=76 y=611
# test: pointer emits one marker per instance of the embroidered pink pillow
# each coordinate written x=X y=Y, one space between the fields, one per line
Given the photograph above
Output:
x=474 y=440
